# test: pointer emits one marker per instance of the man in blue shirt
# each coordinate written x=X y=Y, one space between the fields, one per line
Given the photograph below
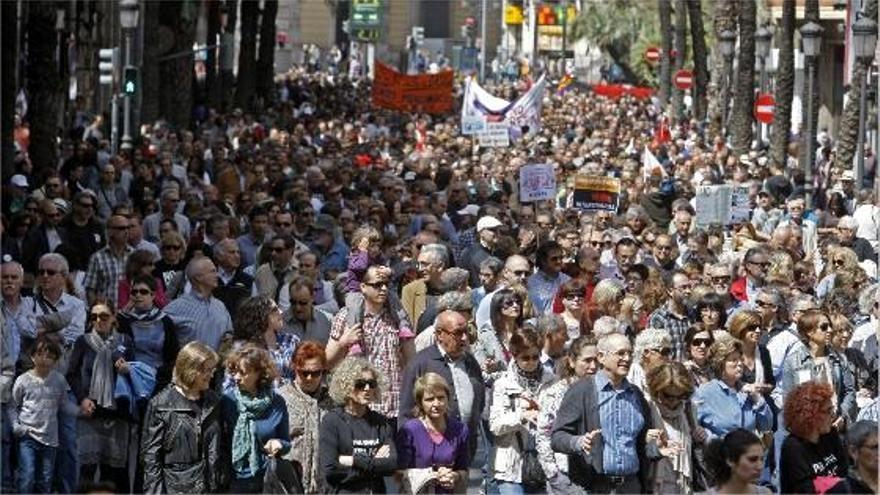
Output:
x=603 y=424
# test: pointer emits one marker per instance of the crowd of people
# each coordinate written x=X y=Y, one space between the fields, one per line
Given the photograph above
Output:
x=335 y=298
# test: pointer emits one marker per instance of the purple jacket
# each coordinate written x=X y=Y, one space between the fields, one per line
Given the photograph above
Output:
x=415 y=449
x=358 y=262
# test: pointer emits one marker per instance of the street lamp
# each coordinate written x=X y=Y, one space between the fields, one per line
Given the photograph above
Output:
x=811 y=39
x=727 y=47
x=864 y=42
x=128 y=20
x=763 y=38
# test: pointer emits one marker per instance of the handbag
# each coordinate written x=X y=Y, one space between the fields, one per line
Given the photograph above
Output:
x=532 y=474
x=281 y=478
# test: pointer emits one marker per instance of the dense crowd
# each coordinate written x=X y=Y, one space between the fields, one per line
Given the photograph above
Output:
x=333 y=298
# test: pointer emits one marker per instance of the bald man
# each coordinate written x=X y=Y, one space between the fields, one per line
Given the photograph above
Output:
x=198 y=314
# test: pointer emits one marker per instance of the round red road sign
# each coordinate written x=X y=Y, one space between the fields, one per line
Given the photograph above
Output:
x=652 y=54
x=765 y=105
x=684 y=79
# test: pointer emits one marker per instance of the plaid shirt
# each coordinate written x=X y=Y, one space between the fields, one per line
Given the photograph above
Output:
x=105 y=272
x=381 y=346
x=677 y=326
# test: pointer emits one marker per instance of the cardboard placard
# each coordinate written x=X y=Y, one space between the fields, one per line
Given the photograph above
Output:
x=596 y=193
x=496 y=135
x=713 y=204
x=472 y=124
x=537 y=182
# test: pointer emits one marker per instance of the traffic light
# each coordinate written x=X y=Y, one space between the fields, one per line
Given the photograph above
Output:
x=130 y=80
x=108 y=59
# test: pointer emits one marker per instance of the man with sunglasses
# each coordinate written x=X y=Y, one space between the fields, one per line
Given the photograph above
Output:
x=45 y=238
x=756 y=262
x=301 y=318
x=272 y=276
x=664 y=253
x=107 y=265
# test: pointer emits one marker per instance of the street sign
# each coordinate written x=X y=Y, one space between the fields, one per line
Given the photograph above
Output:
x=652 y=54
x=765 y=105
x=684 y=79
x=365 y=14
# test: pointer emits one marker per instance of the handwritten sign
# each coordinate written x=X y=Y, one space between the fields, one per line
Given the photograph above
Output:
x=537 y=182
x=713 y=204
x=430 y=93
x=496 y=135
x=473 y=124
x=596 y=193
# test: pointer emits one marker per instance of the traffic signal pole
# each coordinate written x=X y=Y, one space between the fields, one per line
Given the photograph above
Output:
x=126 y=114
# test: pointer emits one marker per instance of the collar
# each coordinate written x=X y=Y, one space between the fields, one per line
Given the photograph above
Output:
x=725 y=388
x=603 y=382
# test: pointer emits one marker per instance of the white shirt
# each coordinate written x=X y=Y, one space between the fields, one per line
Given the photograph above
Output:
x=868 y=219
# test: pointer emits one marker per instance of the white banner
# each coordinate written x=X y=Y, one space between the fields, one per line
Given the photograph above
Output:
x=496 y=135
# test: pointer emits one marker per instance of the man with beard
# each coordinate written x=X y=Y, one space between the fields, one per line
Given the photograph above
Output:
x=664 y=252
x=421 y=293
x=672 y=316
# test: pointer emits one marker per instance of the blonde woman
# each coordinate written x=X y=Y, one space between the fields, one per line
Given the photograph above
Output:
x=180 y=455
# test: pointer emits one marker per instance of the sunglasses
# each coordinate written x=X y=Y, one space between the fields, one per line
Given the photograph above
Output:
x=825 y=327
x=511 y=303
x=277 y=249
x=310 y=374
x=172 y=247
x=101 y=316
x=141 y=292
x=377 y=285
x=720 y=279
x=665 y=351
x=457 y=335
x=361 y=384
x=701 y=342
x=839 y=262
x=574 y=297
x=764 y=304
x=762 y=264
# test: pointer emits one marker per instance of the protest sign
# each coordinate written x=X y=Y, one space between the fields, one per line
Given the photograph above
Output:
x=429 y=93
x=537 y=182
x=473 y=124
x=496 y=135
x=596 y=192
x=713 y=204
x=740 y=206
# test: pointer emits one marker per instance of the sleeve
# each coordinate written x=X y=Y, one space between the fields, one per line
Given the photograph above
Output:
x=337 y=326
x=848 y=408
x=123 y=291
x=386 y=465
x=74 y=370
x=763 y=415
x=566 y=427
x=67 y=407
x=406 y=449
x=503 y=415
x=282 y=430
x=334 y=473
x=462 y=457
x=407 y=400
x=542 y=439
x=358 y=262
x=151 y=450
x=705 y=413
x=17 y=399
x=92 y=278
x=77 y=326
x=796 y=473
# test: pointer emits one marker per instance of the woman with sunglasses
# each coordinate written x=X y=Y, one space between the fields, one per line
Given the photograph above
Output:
x=735 y=463
x=670 y=388
x=573 y=307
x=722 y=406
x=183 y=445
x=255 y=415
x=307 y=401
x=153 y=332
x=103 y=429
x=493 y=339
x=171 y=266
x=697 y=341
x=357 y=447
x=140 y=262
x=842 y=274
x=652 y=347
x=745 y=326
x=513 y=414
x=813 y=359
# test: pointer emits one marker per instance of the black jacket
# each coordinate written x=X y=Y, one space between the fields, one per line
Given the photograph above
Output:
x=430 y=360
x=183 y=447
x=237 y=290
x=359 y=437
x=82 y=363
x=36 y=244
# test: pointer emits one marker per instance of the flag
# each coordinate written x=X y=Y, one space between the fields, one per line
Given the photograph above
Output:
x=651 y=165
x=523 y=115
x=564 y=84
x=661 y=132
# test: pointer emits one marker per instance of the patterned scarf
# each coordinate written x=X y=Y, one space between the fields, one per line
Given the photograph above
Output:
x=245 y=451
x=529 y=380
x=103 y=376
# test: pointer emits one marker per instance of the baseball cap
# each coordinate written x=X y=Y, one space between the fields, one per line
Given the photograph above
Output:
x=472 y=210
x=488 y=223
x=19 y=180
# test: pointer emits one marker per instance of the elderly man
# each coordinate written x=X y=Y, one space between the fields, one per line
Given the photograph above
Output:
x=302 y=319
x=653 y=347
x=107 y=266
x=61 y=312
x=421 y=293
x=233 y=284
x=169 y=200
x=18 y=311
x=198 y=315
x=379 y=338
x=847 y=227
x=450 y=358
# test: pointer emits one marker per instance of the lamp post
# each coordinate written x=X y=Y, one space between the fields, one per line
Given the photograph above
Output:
x=811 y=39
x=59 y=58
x=864 y=42
x=727 y=46
x=128 y=19
x=763 y=37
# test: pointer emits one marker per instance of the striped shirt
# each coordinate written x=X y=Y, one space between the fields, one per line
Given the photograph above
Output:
x=620 y=415
x=199 y=318
x=105 y=271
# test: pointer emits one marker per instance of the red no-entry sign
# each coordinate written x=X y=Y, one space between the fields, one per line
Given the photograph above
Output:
x=684 y=79
x=652 y=54
x=764 y=108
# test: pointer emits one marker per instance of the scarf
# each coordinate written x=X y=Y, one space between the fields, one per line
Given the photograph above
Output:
x=245 y=451
x=102 y=383
x=530 y=380
x=147 y=316
x=677 y=426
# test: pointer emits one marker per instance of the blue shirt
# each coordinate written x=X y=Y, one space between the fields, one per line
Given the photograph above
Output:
x=620 y=415
x=542 y=290
x=721 y=409
x=248 y=247
x=336 y=259
x=199 y=318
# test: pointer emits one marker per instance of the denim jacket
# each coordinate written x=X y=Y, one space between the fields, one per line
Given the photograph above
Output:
x=800 y=367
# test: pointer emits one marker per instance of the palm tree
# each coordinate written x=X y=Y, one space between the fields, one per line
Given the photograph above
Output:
x=849 y=121
x=784 y=86
x=176 y=73
x=664 y=8
x=266 y=61
x=680 y=54
x=719 y=88
x=744 y=100
x=8 y=61
x=701 y=70
x=247 y=56
x=44 y=84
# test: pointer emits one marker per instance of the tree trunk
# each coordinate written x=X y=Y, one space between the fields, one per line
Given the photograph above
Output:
x=8 y=61
x=247 y=54
x=744 y=100
x=811 y=13
x=227 y=76
x=620 y=54
x=150 y=67
x=45 y=89
x=784 y=86
x=680 y=55
x=266 y=62
x=847 y=139
x=719 y=88
x=665 y=11
x=212 y=79
x=176 y=74
x=701 y=70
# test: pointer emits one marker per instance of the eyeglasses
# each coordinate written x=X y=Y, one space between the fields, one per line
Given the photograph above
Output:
x=361 y=384
x=141 y=292
x=762 y=264
x=839 y=262
x=764 y=304
x=172 y=247
x=101 y=316
x=47 y=272
x=310 y=374
x=721 y=279
x=825 y=327
x=701 y=342
x=511 y=303
x=574 y=297
x=377 y=285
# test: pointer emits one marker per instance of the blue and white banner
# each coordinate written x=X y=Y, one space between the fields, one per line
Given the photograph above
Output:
x=523 y=116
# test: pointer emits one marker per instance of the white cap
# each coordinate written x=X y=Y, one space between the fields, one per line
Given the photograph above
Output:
x=488 y=223
x=472 y=210
x=847 y=222
x=409 y=176
x=19 y=180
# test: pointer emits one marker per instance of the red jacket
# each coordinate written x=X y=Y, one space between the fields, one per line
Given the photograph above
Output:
x=738 y=289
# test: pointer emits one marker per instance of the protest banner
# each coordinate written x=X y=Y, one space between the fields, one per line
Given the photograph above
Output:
x=713 y=204
x=740 y=206
x=473 y=124
x=496 y=135
x=429 y=93
x=537 y=182
x=596 y=193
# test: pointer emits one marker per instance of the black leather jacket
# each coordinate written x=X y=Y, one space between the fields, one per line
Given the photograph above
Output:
x=183 y=444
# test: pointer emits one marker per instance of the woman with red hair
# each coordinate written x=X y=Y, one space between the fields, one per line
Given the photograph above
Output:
x=812 y=455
